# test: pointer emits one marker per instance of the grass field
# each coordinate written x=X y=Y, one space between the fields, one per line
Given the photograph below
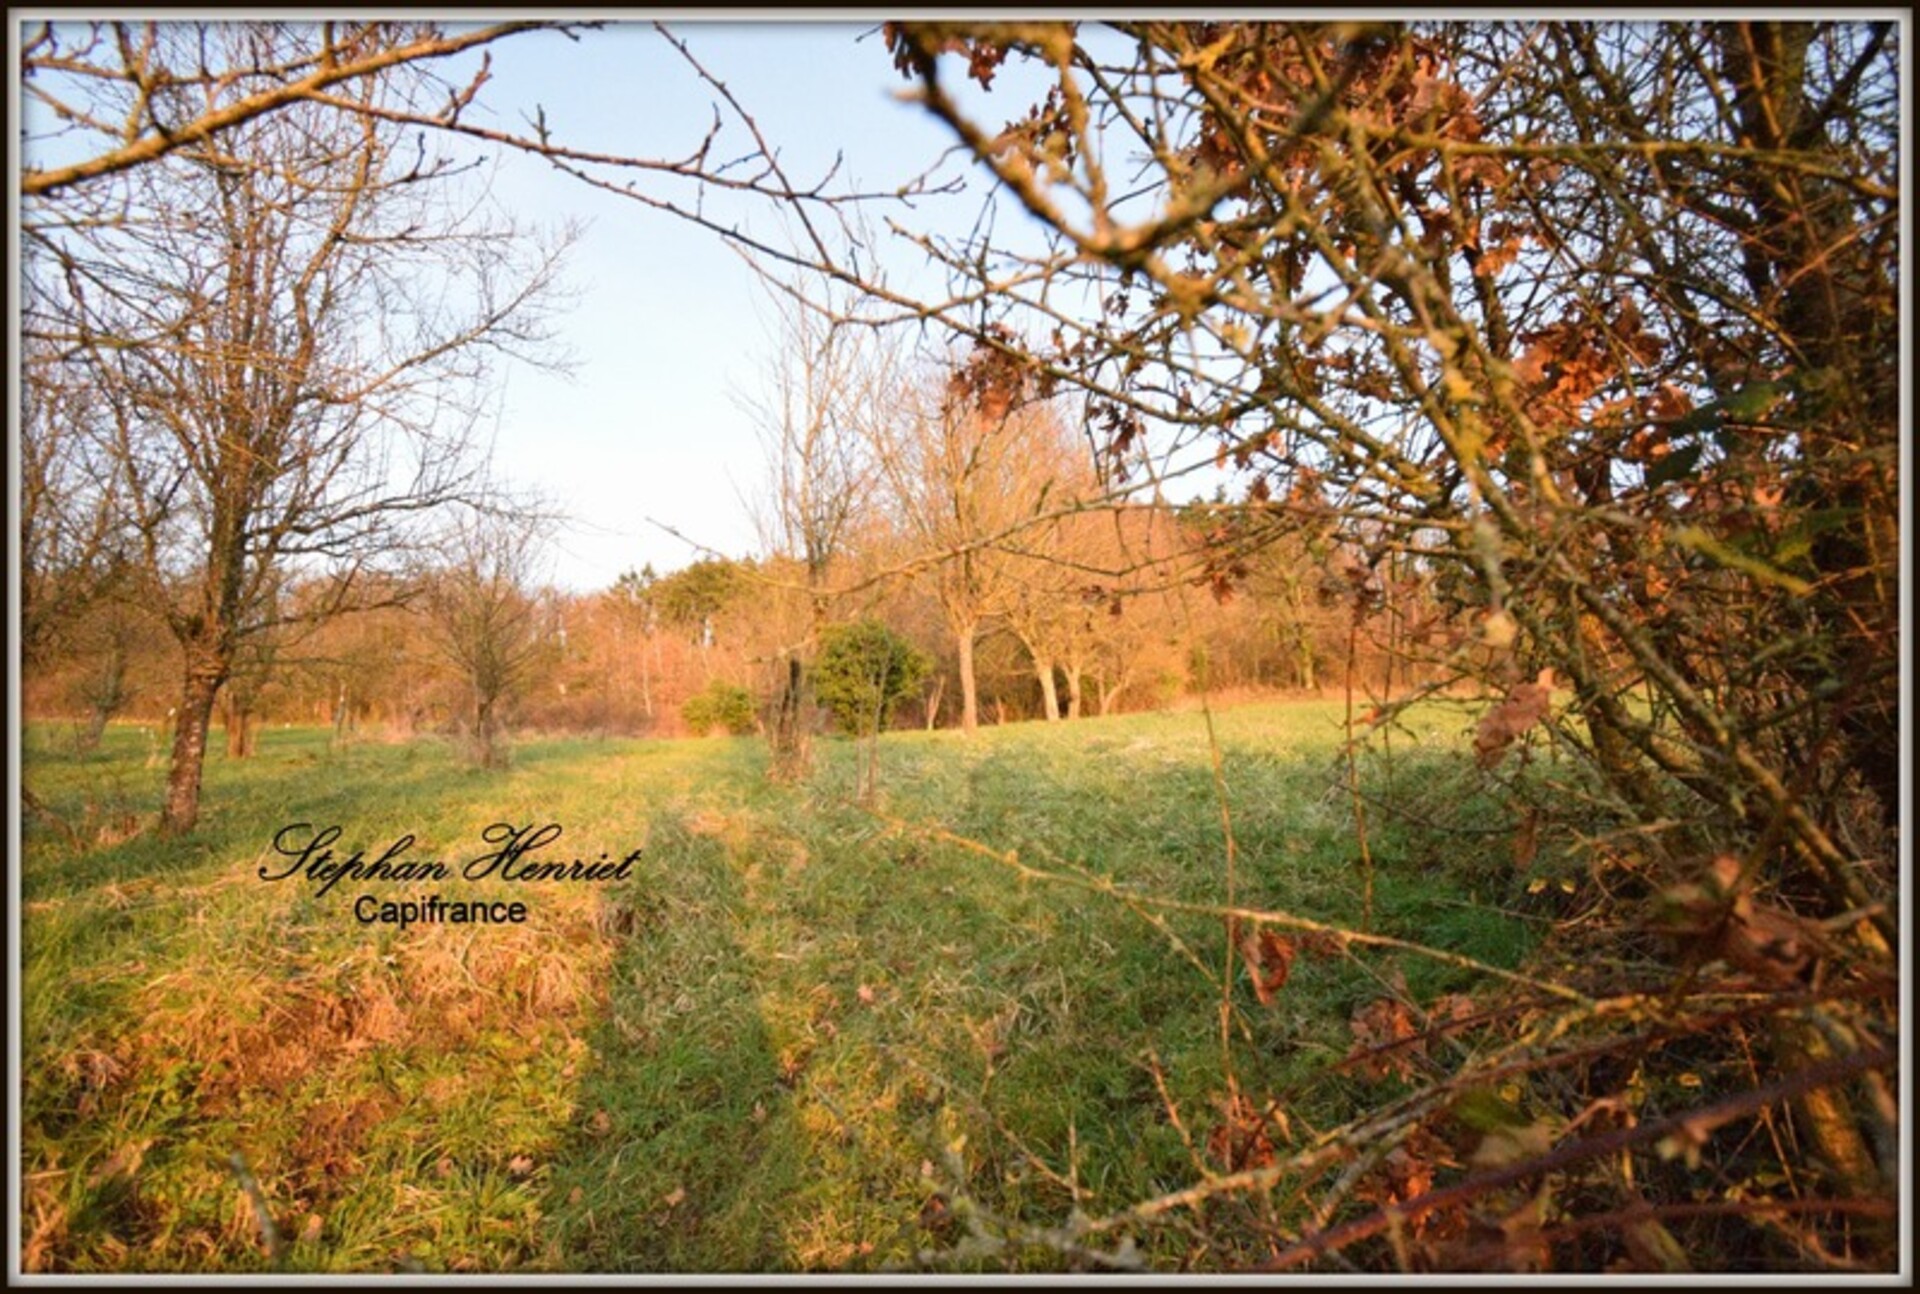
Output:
x=801 y=1036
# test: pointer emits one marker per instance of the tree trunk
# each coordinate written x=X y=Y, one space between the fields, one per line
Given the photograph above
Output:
x=236 y=716
x=205 y=674
x=1074 y=697
x=1303 y=663
x=1802 y=253
x=95 y=730
x=340 y=714
x=969 y=688
x=1835 y=1120
x=933 y=700
x=789 y=747
x=105 y=698
x=483 y=753
x=646 y=677
x=1049 y=690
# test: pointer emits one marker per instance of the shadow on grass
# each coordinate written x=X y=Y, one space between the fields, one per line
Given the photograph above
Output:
x=686 y=1153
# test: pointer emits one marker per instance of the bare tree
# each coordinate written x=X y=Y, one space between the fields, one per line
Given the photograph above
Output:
x=189 y=93
x=1055 y=566
x=958 y=451
x=288 y=328
x=482 y=607
x=635 y=607
x=73 y=544
x=827 y=386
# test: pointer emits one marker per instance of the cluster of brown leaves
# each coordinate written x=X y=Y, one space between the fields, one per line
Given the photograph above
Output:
x=1718 y=917
x=1406 y=1173
x=1044 y=136
x=1565 y=364
x=1509 y=1240
x=1385 y=1040
x=984 y=57
x=994 y=378
x=1222 y=566
x=1525 y=705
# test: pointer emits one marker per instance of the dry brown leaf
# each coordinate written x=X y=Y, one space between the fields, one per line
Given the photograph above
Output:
x=1769 y=943
x=520 y=1165
x=1384 y=1040
x=1526 y=1248
x=1269 y=957
x=1719 y=918
x=1240 y=1141
x=1526 y=705
x=1526 y=841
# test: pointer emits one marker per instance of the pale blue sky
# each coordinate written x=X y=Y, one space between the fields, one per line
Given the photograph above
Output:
x=665 y=325
x=666 y=334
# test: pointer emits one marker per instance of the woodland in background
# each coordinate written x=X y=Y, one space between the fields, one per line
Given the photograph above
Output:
x=625 y=661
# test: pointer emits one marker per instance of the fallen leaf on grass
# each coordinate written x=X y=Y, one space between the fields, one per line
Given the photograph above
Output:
x=520 y=1165
x=1241 y=1142
x=1269 y=957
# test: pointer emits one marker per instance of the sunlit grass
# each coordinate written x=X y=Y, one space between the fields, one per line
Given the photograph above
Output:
x=769 y=1050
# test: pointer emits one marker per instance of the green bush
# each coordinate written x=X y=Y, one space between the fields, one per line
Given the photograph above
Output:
x=719 y=705
x=864 y=670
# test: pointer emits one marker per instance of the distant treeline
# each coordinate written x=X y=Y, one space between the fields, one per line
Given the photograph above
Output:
x=626 y=659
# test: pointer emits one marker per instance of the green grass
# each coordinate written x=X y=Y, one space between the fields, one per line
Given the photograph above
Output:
x=767 y=1051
